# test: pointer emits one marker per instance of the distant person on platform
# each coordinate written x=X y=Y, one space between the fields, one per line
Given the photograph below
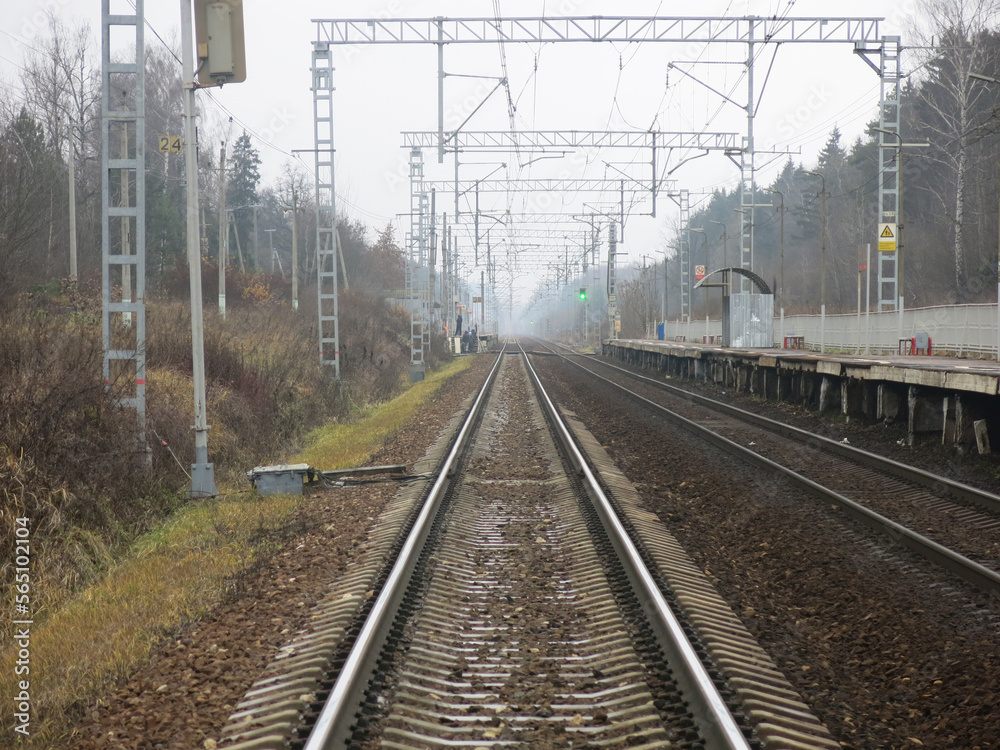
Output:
x=458 y=326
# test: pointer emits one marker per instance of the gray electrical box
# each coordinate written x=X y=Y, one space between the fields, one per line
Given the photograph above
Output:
x=219 y=36
x=283 y=479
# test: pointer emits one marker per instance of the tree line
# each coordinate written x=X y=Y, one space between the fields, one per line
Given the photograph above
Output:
x=50 y=118
x=948 y=243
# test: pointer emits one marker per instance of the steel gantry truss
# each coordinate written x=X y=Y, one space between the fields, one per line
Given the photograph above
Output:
x=327 y=238
x=488 y=140
x=544 y=185
x=417 y=268
x=561 y=141
x=890 y=162
x=683 y=200
x=534 y=30
x=513 y=217
x=889 y=71
x=752 y=31
x=123 y=225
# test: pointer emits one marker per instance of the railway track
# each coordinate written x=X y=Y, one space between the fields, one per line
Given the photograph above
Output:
x=952 y=524
x=524 y=599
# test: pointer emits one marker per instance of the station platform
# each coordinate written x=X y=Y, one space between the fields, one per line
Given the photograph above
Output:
x=958 y=398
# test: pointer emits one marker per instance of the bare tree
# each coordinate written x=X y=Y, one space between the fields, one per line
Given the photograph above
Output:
x=62 y=91
x=955 y=35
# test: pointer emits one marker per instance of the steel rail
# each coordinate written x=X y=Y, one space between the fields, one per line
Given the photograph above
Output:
x=940 y=485
x=338 y=714
x=714 y=720
x=970 y=571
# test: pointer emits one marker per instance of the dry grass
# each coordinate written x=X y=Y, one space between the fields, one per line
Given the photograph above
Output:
x=176 y=572
x=107 y=630
x=341 y=446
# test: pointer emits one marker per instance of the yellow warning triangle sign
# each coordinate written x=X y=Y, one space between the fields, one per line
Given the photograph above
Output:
x=887 y=233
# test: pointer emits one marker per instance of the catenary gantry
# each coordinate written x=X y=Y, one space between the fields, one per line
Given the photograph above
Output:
x=539 y=29
x=863 y=32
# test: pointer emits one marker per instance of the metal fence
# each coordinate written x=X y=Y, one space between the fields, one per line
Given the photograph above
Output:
x=963 y=330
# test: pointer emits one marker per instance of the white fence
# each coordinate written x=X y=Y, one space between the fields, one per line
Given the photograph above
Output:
x=964 y=330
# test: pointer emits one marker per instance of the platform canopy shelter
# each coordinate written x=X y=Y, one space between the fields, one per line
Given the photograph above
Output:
x=747 y=317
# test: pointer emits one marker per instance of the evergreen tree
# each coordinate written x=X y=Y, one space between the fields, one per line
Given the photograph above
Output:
x=241 y=193
x=832 y=157
x=28 y=170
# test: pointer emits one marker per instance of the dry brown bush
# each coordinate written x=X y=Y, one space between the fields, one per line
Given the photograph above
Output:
x=73 y=462
x=374 y=347
x=70 y=459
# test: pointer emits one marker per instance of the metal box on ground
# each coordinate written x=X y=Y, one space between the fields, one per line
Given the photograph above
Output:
x=283 y=479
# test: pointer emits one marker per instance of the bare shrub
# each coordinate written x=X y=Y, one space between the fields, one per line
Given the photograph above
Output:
x=69 y=456
x=265 y=383
x=374 y=346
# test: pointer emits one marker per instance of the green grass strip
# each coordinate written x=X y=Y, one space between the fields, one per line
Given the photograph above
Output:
x=343 y=446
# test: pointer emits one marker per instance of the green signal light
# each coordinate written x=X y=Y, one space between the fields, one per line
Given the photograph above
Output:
x=583 y=293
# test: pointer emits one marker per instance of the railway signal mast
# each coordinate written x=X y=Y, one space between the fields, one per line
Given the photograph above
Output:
x=217 y=27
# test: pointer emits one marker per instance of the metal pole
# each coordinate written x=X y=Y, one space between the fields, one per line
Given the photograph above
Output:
x=223 y=231
x=747 y=168
x=663 y=296
x=432 y=263
x=236 y=233
x=822 y=275
x=295 y=250
x=899 y=217
x=868 y=298
x=822 y=263
x=270 y=235
x=72 y=208
x=445 y=274
x=781 y=286
x=256 y=242
x=781 y=216
x=202 y=472
x=899 y=321
x=612 y=294
x=822 y=266
x=440 y=25
x=857 y=348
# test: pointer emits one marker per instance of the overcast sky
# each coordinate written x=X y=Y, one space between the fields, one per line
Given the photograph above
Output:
x=382 y=90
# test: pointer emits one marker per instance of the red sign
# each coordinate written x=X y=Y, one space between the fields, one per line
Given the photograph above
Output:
x=699 y=273
x=863 y=267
